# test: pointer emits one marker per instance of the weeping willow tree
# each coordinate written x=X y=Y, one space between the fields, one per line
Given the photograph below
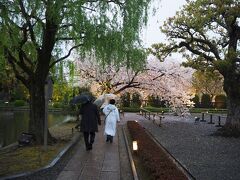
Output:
x=208 y=33
x=37 y=34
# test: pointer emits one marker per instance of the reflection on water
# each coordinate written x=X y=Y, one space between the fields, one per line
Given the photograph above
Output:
x=12 y=124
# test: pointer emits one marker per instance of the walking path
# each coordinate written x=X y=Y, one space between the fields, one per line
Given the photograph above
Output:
x=102 y=162
x=206 y=157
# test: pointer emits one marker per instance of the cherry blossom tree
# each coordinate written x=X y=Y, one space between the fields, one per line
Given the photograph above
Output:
x=169 y=80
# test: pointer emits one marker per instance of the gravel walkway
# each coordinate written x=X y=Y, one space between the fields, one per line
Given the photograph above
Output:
x=207 y=157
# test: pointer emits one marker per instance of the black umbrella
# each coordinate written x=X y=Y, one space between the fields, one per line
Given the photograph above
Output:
x=81 y=99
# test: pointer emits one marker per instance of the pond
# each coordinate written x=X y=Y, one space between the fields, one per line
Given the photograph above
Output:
x=12 y=124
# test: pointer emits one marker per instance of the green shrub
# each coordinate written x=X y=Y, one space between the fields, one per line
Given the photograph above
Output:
x=136 y=100
x=125 y=99
x=209 y=110
x=19 y=103
x=206 y=101
x=196 y=101
x=155 y=101
x=220 y=101
x=57 y=105
x=130 y=109
x=156 y=109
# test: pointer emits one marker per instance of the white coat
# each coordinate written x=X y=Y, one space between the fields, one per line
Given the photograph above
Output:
x=112 y=113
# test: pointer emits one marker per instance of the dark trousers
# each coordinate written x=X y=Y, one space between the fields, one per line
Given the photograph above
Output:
x=89 y=142
x=109 y=138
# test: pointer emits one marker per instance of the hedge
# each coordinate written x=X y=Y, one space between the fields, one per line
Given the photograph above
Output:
x=153 y=157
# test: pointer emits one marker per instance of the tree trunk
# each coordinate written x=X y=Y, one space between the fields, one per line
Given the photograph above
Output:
x=232 y=89
x=233 y=116
x=37 y=112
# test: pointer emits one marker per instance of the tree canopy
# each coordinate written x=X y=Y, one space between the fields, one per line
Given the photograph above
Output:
x=109 y=28
x=208 y=33
x=209 y=30
x=208 y=82
x=37 y=34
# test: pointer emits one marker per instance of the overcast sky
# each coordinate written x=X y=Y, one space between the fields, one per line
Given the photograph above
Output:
x=166 y=8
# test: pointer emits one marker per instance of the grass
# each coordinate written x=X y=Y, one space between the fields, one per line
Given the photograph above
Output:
x=31 y=158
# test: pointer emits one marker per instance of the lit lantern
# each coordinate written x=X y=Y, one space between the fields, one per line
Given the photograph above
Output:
x=135 y=146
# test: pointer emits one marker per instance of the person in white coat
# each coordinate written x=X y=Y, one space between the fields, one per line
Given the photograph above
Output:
x=112 y=117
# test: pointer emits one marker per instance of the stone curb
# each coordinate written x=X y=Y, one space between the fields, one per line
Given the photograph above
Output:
x=134 y=171
x=51 y=164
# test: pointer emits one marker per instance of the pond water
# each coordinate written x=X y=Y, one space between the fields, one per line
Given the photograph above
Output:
x=12 y=124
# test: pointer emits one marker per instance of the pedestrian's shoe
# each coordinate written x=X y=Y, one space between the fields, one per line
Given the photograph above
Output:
x=111 y=139
x=108 y=138
x=89 y=147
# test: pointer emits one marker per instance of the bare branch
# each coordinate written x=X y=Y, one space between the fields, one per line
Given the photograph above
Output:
x=11 y=59
x=66 y=56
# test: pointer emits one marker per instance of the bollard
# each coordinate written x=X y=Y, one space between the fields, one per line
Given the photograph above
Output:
x=203 y=120
x=160 y=121
x=211 y=122
x=154 y=118
x=197 y=119
x=219 y=122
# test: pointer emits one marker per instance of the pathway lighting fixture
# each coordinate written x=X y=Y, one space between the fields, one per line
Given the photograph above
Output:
x=135 y=146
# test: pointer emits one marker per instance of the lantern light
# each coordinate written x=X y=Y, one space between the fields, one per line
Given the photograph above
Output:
x=135 y=146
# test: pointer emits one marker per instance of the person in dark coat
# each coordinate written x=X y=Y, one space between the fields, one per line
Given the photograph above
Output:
x=89 y=123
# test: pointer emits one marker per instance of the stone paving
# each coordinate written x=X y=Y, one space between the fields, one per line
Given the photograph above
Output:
x=105 y=161
x=102 y=162
x=206 y=157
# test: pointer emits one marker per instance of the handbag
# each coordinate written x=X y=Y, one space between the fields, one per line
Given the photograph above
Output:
x=107 y=116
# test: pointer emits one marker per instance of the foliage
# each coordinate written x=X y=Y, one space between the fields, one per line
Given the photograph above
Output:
x=149 y=108
x=208 y=82
x=57 y=105
x=220 y=101
x=209 y=110
x=157 y=109
x=206 y=101
x=167 y=80
x=155 y=101
x=110 y=29
x=36 y=35
x=20 y=92
x=130 y=109
x=207 y=33
x=125 y=99
x=19 y=103
x=8 y=80
x=61 y=93
x=196 y=101
x=136 y=100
